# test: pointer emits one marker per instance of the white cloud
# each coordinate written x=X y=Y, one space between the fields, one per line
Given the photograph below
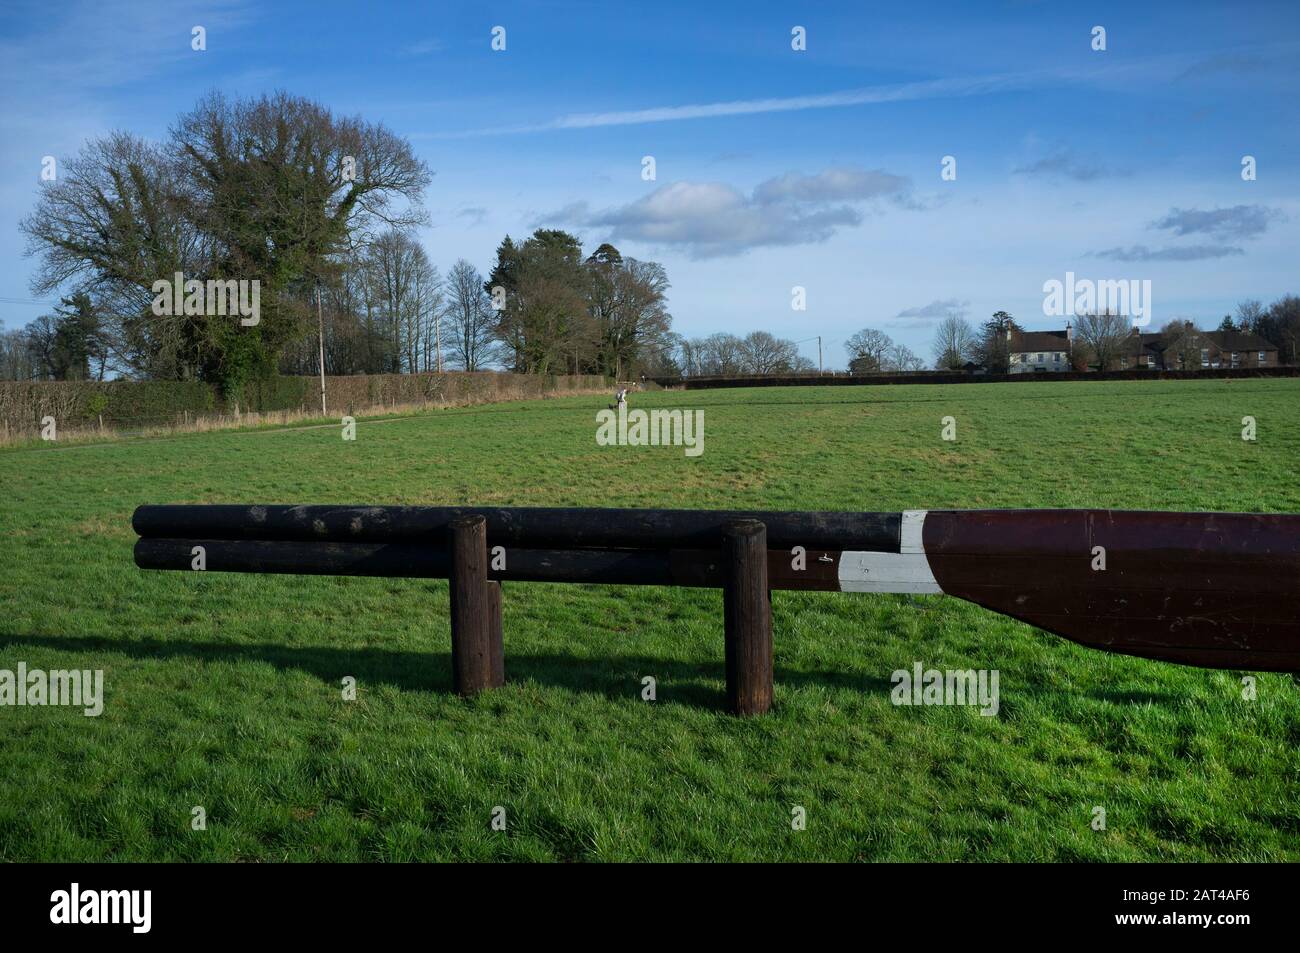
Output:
x=713 y=219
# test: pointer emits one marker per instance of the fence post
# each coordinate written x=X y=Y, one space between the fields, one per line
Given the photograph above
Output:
x=471 y=607
x=496 y=647
x=748 y=617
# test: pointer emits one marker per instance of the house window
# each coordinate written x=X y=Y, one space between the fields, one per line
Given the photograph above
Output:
x=1038 y=358
x=1235 y=359
x=1057 y=357
x=1261 y=357
x=1123 y=361
x=1205 y=357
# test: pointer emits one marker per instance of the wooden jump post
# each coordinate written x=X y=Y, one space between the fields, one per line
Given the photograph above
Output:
x=1218 y=590
x=747 y=610
x=477 y=655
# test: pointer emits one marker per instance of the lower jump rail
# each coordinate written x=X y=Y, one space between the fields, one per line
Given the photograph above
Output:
x=1218 y=590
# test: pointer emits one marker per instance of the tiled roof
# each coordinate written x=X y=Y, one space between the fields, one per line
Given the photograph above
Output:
x=1138 y=343
x=1239 y=341
x=1229 y=340
x=1022 y=341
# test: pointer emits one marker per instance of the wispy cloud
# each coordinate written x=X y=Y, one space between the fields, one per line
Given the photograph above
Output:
x=837 y=184
x=713 y=219
x=1238 y=64
x=475 y=214
x=930 y=89
x=1225 y=224
x=1067 y=166
x=934 y=311
x=1238 y=221
x=112 y=42
x=423 y=47
x=1184 y=253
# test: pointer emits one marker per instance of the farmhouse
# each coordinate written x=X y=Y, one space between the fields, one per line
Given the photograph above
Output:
x=1140 y=350
x=1192 y=349
x=1032 y=352
x=1185 y=349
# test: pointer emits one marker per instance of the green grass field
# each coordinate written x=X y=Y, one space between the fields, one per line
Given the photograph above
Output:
x=224 y=691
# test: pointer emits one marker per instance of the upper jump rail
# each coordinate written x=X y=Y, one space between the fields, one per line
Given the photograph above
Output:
x=542 y=527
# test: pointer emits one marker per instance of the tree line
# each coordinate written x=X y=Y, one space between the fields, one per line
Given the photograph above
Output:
x=728 y=355
x=1100 y=339
x=321 y=211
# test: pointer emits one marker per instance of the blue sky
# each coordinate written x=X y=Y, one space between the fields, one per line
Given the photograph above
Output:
x=774 y=168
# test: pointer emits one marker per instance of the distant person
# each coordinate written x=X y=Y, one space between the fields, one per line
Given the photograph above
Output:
x=620 y=396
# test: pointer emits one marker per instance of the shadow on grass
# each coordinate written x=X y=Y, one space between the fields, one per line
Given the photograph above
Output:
x=617 y=677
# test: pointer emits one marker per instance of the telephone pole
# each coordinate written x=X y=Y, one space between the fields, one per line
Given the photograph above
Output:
x=819 y=354
x=320 y=316
x=437 y=341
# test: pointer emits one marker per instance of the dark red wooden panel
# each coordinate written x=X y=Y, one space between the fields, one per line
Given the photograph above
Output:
x=1213 y=589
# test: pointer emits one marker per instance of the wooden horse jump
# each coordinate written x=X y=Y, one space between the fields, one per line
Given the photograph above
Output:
x=1220 y=590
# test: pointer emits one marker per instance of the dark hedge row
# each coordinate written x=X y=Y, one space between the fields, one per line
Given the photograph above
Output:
x=152 y=403
x=944 y=377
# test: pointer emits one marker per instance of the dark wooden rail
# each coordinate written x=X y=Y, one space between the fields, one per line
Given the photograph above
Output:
x=691 y=568
x=1220 y=590
x=543 y=527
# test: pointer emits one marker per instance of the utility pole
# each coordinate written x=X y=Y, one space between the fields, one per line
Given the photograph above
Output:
x=437 y=341
x=320 y=316
x=819 y=354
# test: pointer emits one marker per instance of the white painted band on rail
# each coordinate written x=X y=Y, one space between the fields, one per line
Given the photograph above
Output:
x=905 y=571
x=910 y=533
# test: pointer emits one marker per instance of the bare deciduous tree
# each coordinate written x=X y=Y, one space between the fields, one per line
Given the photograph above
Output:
x=722 y=355
x=867 y=349
x=399 y=270
x=900 y=359
x=954 y=343
x=764 y=353
x=1105 y=335
x=424 y=339
x=1248 y=314
x=469 y=318
x=16 y=362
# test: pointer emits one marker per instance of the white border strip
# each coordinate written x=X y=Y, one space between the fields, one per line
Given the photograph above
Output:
x=905 y=571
